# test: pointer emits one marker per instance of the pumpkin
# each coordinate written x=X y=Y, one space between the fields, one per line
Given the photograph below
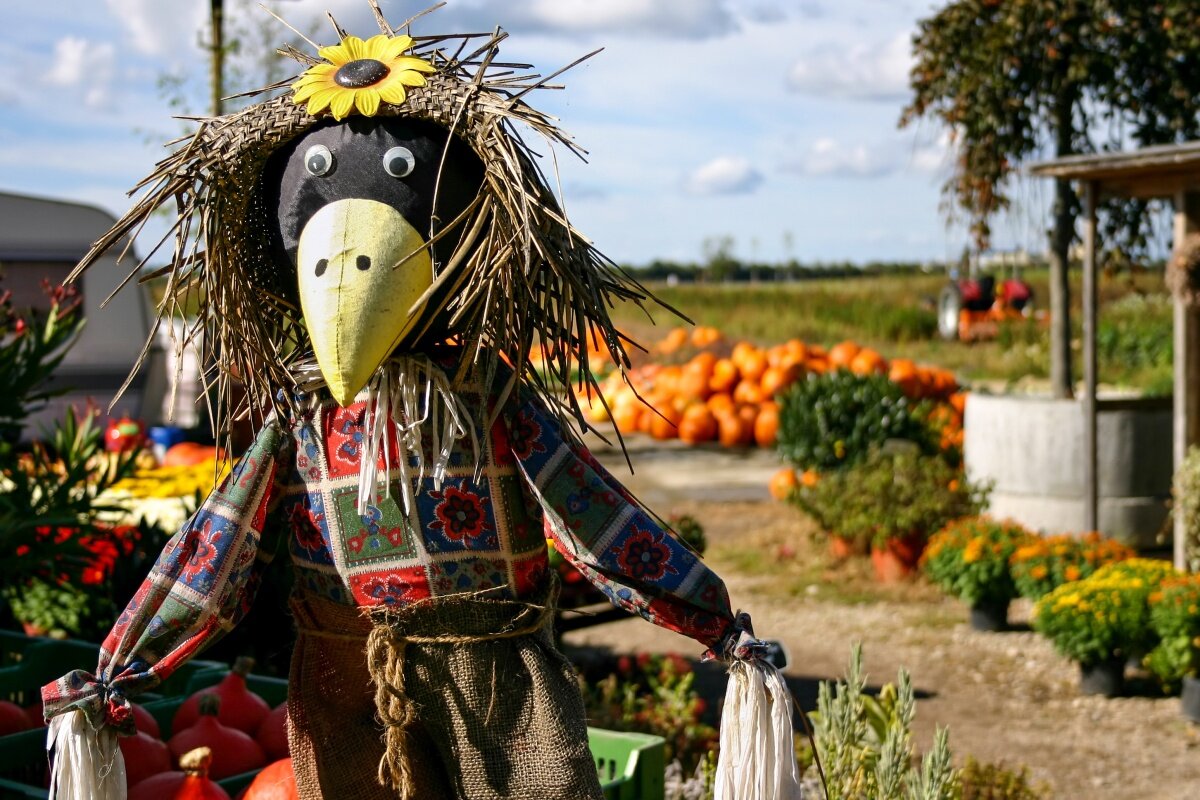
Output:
x=725 y=376
x=766 y=424
x=239 y=708
x=665 y=423
x=705 y=336
x=674 y=340
x=752 y=365
x=192 y=783
x=748 y=392
x=272 y=733
x=12 y=718
x=145 y=722
x=699 y=424
x=732 y=431
x=868 y=362
x=233 y=752
x=277 y=781
x=144 y=756
x=783 y=483
x=842 y=353
x=188 y=454
x=776 y=379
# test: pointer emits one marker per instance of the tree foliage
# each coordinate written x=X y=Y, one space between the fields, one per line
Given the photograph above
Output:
x=1018 y=78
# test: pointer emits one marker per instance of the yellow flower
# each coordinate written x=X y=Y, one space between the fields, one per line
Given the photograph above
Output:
x=972 y=551
x=360 y=75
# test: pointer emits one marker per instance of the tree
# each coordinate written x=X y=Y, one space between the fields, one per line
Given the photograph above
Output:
x=1013 y=79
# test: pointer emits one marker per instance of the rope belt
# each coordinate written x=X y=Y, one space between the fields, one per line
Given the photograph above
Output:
x=386 y=646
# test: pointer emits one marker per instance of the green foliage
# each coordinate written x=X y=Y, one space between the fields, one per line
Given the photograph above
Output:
x=52 y=609
x=969 y=558
x=1137 y=331
x=1185 y=492
x=987 y=781
x=1105 y=616
x=654 y=694
x=894 y=495
x=1014 y=78
x=1175 y=615
x=833 y=420
x=1044 y=563
x=689 y=530
x=865 y=745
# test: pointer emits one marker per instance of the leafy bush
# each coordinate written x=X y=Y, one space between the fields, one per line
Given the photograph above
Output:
x=654 y=694
x=1175 y=616
x=1105 y=616
x=865 y=745
x=833 y=420
x=1185 y=491
x=969 y=558
x=895 y=494
x=1041 y=565
x=989 y=781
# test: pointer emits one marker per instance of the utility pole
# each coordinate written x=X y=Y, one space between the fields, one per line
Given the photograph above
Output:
x=217 y=55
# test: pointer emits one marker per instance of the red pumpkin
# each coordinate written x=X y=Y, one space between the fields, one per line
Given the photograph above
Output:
x=145 y=722
x=272 y=733
x=12 y=718
x=277 y=781
x=233 y=752
x=188 y=454
x=192 y=783
x=144 y=756
x=240 y=707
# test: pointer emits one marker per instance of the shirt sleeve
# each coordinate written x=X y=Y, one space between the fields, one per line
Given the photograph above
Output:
x=613 y=542
x=200 y=587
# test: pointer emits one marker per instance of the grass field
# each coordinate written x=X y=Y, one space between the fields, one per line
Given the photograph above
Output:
x=895 y=315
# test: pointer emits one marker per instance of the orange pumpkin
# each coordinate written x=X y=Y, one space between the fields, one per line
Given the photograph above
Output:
x=753 y=365
x=189 y=454
x=721 y=403
x=277 y=781
x=733 y=430
x=725 y=376
x=842 y=353
x=776 y=379
x=705 y=336
x=783 y=483
x=674 y=340
x=664 y=424
x=766 y=424
x=748 y=392
x=698 y=424
x=868 y=362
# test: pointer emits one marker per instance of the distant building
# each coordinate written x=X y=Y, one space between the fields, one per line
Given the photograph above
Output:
x=44 y=239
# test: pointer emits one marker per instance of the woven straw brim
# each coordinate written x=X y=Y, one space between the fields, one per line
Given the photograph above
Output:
x=522 y=278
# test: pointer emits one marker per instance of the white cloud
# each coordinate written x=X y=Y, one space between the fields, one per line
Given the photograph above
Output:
x=157 y=28
x=856 y=72
x=829 y=157
x=724 y=175
x=83 y=64
x=672 y=19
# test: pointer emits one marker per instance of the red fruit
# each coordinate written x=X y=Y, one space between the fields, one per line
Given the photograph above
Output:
x=240 y=707
x=145 y=722
x=35 y=714
x=192 y=783
x=12 y=718
x=276 y=782
x=272 y=734
x=144 y=756
x=233 y=752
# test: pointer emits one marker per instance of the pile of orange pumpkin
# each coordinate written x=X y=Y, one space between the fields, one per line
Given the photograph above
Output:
x=698 y=387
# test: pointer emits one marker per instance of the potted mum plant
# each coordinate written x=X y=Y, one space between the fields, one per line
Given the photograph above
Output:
x=891 y=503
x=1041 y=565
x=969 y=558
x=1175 y=616
x=1102 y=621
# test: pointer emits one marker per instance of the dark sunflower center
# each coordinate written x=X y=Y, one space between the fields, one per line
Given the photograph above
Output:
x=360 y=73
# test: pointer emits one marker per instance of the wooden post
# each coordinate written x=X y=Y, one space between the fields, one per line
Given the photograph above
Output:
x=1187 y=360
x=216 y=10
x=1091 y=482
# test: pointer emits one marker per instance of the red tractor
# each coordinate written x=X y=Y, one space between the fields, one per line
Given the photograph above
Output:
x=971 y=309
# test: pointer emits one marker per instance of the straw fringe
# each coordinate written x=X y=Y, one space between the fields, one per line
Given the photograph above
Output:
x=523 y=277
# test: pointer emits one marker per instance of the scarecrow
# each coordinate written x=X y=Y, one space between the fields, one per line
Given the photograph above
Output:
x=375 y=255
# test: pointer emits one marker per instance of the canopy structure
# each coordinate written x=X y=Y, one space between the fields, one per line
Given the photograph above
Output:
x=1166 y=171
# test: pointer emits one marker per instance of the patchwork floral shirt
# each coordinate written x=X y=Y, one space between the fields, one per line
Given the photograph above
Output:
x=301 y=482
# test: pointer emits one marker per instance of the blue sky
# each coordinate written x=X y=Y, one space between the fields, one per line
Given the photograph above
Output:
x=771 y=121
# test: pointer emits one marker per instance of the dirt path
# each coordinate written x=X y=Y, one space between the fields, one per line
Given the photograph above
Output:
x=1005 y=697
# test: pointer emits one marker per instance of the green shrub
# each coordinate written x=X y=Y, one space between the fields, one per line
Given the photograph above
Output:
x=1175 y=616
x=1105 y=616
x=895 y=494
x=865 y=745
x=833 y=420
x=969 y=558
x=988 y=781
x=1185 y=492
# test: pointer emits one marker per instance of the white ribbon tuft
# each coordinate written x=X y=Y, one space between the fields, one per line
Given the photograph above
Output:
x=87 y=763
x=758 y=758
x=413 y=393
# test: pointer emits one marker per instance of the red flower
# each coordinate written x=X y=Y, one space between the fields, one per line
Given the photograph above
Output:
x=460 y=515
x=645 y=556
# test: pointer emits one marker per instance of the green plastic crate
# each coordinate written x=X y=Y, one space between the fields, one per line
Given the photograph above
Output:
x=631 y=765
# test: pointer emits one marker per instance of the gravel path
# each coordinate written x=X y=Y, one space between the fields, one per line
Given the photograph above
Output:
x=1006 y=697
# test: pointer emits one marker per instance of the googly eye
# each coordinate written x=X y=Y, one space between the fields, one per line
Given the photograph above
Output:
x=318 y=160
x=399 y=162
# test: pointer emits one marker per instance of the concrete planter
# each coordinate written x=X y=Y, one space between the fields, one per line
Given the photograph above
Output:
x=1032 y=449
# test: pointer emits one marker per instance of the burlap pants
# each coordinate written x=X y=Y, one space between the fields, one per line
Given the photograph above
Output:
x=492 y=718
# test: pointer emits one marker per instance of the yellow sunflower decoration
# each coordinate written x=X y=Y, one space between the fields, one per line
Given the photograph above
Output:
x=360 y=74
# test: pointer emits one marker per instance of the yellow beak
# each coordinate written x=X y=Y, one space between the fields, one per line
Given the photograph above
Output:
x=361 y=266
